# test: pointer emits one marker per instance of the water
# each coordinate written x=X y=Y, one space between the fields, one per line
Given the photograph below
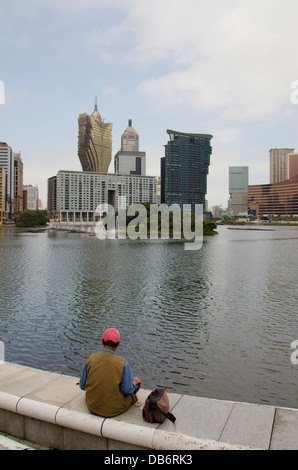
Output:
x=218 y=322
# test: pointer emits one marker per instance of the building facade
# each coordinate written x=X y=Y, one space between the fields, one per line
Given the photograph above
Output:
x=279 y=164
x=79 y=194
x=94 y=142
x=7 y=162
x=30 y=197
x=18 y=184
x=52 y=197
x=2 y=195
x=129 y=160
x=238 y=189
x=130 y=139
x=274 y=199
x=293 y=165
x=184 y=168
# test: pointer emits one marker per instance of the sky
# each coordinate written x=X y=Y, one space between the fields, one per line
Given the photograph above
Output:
x=220 y=67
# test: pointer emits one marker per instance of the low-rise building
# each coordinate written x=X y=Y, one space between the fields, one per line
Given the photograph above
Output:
x=274 y=199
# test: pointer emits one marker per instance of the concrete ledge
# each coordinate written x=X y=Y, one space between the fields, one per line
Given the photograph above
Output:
x=83 y=422
x=49 y=409
x=37 y=410
x=134 y=434
x=8 y=402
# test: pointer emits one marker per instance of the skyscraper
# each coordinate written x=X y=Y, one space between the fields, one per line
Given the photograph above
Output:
x=279 y=164
x=238 y=188
x=2 y=194
x=129 y=161
x=130 y=139
x=7 y=162
x=18 y=184
x=30 y=197
x=52 y=197
x=95 y=142
x=184 y=168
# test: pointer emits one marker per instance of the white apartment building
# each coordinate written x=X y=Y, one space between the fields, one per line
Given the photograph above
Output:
x=31 y=198
x=79 y=194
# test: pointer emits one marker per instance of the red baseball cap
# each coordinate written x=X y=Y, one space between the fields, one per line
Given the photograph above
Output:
x=111 y=334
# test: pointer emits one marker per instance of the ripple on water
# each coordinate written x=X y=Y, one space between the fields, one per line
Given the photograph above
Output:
x=217 y=322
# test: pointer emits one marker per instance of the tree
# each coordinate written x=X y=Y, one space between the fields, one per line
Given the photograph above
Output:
x=31 y=218
x=209 y=227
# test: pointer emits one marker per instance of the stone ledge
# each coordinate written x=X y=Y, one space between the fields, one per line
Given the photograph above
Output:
x=49 y=409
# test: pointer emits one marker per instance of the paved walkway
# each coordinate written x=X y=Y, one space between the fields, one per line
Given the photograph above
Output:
x=7 y=443
x=49 y=409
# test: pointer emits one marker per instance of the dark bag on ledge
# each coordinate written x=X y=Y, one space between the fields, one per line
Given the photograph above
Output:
x=156 y=407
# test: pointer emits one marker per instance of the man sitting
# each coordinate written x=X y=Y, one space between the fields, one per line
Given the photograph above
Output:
x=107 y=379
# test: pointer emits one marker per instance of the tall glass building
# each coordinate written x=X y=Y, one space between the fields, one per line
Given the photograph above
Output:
x=238 y=188
x=184 y=168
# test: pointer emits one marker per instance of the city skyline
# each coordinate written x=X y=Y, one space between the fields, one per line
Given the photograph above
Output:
x=228 y=73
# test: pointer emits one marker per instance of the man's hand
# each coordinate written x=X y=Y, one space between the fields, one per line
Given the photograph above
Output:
x=138 y=383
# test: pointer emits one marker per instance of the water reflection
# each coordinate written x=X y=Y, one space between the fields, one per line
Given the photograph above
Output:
x=216 y=322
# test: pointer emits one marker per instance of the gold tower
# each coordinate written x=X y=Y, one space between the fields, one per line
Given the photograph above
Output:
x=95 y=142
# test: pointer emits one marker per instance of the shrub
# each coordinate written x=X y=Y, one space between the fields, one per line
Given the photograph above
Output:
x=30 y=218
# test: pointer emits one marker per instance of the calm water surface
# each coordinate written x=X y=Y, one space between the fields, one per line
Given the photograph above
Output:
x=217 y=322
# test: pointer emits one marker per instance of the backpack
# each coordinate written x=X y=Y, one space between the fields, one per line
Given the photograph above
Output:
x=156 y=407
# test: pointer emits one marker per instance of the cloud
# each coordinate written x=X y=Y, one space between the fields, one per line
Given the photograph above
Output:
x=227 y=135
x=111 y=89
x=233 y=57
x=73 y=6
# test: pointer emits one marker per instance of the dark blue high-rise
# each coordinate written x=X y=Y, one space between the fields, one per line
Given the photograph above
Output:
x=184 y=169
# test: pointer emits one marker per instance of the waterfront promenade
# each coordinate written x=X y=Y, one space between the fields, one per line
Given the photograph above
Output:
x=49 y=409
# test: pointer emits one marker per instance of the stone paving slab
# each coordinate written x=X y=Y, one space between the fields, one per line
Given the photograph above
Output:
x=23 y=380
x=249 y=425
x=285 y=431
x=58 y=391
x=199 y=417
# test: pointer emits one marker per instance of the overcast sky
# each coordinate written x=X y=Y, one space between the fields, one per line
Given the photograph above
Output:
x=221 y=67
